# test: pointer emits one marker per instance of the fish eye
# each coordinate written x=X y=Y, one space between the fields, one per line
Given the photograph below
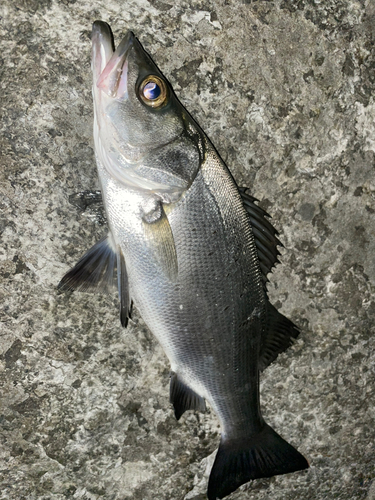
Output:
x=153 y=91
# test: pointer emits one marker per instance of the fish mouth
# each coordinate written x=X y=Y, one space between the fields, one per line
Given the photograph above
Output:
x=110 y=66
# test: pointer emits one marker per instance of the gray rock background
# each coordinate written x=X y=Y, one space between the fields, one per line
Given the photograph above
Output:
x=285 y=91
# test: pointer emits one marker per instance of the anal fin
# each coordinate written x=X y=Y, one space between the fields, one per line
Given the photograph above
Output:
x=183 y=398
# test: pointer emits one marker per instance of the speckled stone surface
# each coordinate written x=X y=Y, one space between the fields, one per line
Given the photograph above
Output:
x=285 y=91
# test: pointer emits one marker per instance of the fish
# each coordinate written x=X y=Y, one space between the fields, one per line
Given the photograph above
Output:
x=192 y=251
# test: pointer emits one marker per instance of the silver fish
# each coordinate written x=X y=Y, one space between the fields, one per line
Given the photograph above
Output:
x=192 y=251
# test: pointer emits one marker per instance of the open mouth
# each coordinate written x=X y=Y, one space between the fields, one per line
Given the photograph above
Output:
x=110 y=66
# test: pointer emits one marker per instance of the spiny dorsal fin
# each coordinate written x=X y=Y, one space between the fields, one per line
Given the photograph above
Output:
x=278 y=335
x=265 y=234
x=94 y=271
x=183 y=398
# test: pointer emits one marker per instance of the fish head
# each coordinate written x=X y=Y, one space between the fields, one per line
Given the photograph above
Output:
x=143 y=135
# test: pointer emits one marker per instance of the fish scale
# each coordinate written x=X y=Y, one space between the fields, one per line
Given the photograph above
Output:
x=192 y=251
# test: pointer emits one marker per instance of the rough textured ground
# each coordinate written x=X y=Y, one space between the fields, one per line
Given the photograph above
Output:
x=285 y=91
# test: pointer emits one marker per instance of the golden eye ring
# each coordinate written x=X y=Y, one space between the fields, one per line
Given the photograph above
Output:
x=153 y=91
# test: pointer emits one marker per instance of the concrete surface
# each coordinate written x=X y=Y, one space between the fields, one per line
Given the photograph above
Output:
x=285 y=91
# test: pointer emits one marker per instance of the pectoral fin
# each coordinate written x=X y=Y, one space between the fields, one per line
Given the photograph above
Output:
x=159 y=235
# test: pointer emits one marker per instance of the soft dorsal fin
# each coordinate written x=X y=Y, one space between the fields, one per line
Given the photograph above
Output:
x=95 y=271
x=279 y=333
x=265 y=234
x=183 y=398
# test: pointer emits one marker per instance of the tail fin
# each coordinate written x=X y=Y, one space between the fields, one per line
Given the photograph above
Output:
x=238 y=461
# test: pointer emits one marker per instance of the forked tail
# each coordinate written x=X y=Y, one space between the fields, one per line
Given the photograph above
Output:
x=238 y=461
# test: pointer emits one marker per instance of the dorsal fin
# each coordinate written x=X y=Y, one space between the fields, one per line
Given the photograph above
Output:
x=278 y=334
x=265 y=234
